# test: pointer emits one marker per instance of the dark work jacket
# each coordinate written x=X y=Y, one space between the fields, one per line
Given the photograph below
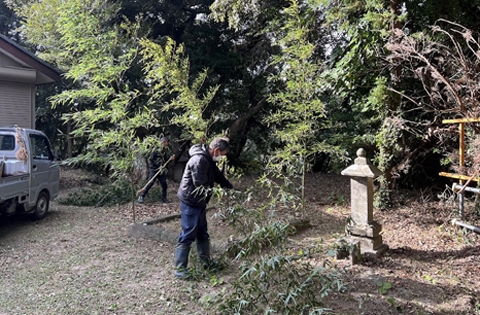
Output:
x=158 y=158
x=200 y=171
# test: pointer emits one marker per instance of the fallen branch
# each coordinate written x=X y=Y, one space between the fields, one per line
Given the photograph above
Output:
x=169 y=217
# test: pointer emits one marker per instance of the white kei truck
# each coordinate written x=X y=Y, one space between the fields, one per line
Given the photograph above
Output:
x=29 y=175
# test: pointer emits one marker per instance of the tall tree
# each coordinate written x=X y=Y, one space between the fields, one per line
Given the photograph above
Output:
x=370 y=83
x=106 y=106
x=8 y=19
x=299 y=113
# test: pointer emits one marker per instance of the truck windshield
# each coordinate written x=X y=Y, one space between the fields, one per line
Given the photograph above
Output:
x=7 y=143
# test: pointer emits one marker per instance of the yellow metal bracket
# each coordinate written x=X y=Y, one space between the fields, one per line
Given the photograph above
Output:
x=461 y=150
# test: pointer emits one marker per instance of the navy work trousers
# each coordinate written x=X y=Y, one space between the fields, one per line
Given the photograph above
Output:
x=162 y=178
x=194 y=225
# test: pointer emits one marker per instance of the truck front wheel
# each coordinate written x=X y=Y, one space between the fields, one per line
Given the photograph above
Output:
x=41 y=208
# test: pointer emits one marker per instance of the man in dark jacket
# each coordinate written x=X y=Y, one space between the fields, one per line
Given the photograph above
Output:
x=157 y=159
x=194 y=192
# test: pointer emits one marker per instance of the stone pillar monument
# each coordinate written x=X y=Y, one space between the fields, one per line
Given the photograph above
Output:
x=362 y=229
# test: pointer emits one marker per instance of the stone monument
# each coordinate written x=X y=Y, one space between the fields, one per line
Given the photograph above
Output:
x=362 y=229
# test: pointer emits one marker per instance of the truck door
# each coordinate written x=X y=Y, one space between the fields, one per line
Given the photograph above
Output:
x=44 y=170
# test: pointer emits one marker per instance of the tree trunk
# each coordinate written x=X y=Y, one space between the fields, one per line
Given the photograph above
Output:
x=69 y=140
x=239 y=130
x=395 y=8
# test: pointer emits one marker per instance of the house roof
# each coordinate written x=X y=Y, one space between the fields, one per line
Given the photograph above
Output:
x=46 y=73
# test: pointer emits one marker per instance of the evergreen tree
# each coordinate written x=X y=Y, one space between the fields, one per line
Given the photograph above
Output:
x=8 y=20
x=299 y=113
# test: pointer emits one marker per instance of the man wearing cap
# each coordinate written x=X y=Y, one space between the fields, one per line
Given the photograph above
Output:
x=157 y=159
x=194 y=192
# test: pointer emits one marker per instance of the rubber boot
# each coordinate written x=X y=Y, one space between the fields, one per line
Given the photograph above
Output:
x=181 y=260
x=203 y=253
x=164 y=196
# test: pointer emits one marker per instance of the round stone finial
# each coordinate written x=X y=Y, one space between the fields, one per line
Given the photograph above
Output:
x=361 y=152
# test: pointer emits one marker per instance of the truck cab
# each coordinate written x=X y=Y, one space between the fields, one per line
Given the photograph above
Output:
x=29 y=175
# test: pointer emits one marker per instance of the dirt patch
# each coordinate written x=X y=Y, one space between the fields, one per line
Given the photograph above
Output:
x=80 y=260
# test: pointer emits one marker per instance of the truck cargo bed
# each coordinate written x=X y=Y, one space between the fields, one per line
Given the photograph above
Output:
x=14 y=185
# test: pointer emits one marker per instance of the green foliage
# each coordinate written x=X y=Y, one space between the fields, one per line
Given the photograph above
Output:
x=215 y=281
x=270 y=280
x=357 y=76
x=242 y=218
x=198 y=273
x=106 y=107
x=111 y=194
x=8 y=19
x=93 y=163
x=281 y=194
x=387 y=142
x=332 y=88
x=236 y=12
x=377 y=100
x=429 y=279
x=383 y=287
x=284 y=285
x=299 y=112
x=167 y=73
x=262 y=237
x=342 y=249
x=97 y=55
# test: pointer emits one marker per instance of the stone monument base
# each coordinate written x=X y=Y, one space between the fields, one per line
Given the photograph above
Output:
x=370 y=230
x=368 y=246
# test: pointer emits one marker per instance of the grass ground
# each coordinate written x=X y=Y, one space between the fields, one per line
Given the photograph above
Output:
x=80 y=260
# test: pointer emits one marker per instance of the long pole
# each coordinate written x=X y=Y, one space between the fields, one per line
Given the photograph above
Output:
x=461 y=151
x=153 y=178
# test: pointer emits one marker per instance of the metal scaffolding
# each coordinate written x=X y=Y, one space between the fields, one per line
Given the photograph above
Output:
x=461 y=187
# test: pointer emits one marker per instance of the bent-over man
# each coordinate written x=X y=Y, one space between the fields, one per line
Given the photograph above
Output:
x=194 y=192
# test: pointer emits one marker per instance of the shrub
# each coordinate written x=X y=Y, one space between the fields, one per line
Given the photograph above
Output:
x=282 y=285
x=118 y=192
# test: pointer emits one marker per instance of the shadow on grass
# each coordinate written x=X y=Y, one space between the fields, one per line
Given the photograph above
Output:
x=21 y=223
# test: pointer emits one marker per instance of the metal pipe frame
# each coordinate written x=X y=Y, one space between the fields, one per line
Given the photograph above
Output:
x=473 y=228
x=457 y=187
